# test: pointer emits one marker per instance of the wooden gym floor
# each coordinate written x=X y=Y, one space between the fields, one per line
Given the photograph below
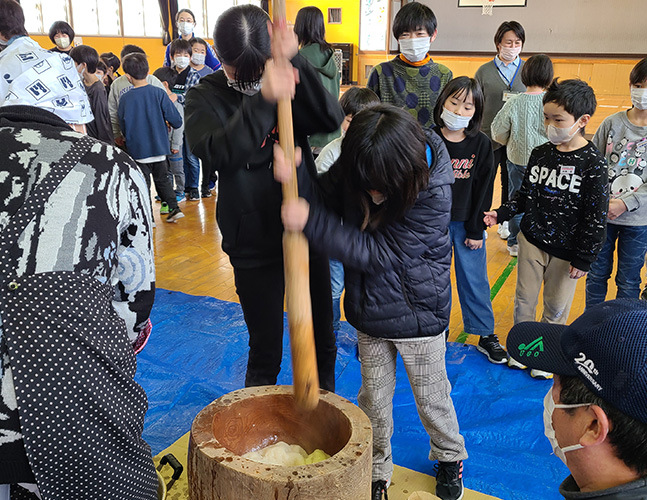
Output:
x=189 y=257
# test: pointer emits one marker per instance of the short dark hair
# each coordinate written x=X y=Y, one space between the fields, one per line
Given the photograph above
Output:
x=101 y=66
x=166 y=74
x=506 y=26
x=309 y=27
x=12 y=19
x=242 y=41
x=195 y=40
x=85 y=54
x=188 y=11
x=356 y=99
x=461 y=87
x=575 y=96
x=179 y=45
x=111 y=60
x=639 y=72
x=537 y=71
x=384 y=150
x=136 y=65
x=129 y=48
x=413 y=17
x=60 y=27
x=626 y=434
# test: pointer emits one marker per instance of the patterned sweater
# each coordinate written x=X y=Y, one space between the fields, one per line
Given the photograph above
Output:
x=564 y=198
x=520 y=126
x=98 y=222
x=414 y=88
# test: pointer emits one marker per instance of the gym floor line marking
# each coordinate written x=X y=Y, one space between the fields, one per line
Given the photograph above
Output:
x=493 y=291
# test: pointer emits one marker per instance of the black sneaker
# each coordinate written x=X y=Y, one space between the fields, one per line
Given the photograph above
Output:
x=492 y=349
x=174 y=215
x=449 y=480
x=194 y=195
x=206 y=193
x=379 y=491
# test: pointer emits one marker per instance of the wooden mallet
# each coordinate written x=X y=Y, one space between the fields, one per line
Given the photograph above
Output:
x=296 y=264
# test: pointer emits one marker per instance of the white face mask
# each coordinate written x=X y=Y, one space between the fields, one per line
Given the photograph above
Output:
x=185 y=28
x=415 y=49
x=559 y=136
x=549 y=431
x=80 y=70
x=63 y=42
x=509 y=53
x=198 y=59
x=453 y=121
x=639 y=98
x=182 y=61
x=254 y=89
x=378 y=198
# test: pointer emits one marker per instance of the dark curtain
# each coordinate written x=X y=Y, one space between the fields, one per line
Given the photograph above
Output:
x=170 y=30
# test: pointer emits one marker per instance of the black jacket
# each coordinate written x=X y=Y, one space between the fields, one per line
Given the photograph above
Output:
x=234 y=134
x=397 y=277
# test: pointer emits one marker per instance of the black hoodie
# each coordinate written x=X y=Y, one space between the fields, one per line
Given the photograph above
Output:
x=234 y=134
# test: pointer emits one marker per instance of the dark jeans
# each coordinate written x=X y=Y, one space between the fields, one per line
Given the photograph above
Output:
x=261 y=291
x=632 y=245
x=515 y=179
x=191 y=168
x=159 y=170
x=501 y=158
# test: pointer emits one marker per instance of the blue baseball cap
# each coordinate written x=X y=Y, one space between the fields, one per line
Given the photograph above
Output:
x=606 y=347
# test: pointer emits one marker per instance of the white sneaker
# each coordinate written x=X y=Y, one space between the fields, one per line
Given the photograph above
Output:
x=513 y=250
x=503 y=231
x=513 y=363
x=541 y=374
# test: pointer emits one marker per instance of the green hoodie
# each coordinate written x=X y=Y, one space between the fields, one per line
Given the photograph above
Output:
x=324 y=63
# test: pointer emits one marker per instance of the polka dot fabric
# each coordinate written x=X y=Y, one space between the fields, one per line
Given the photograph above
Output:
x=81 y=412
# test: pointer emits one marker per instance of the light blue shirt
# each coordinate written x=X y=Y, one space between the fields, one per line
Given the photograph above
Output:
x=507 y=73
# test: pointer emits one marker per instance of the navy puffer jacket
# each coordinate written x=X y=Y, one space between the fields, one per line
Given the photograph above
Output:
x=397 y=277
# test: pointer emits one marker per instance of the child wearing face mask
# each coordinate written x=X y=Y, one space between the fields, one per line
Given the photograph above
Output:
x=622 y=138
x=62 y=35
x=387 y=209
x=415 y=28
x=187 y=77
x=185 y=23
x=458 y=114
x=564 y=199
x=199 y=50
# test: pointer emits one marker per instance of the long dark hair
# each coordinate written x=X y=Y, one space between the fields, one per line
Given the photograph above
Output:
x=309 y=27
x=384 y=150
x=242 y=41
x=460 y=88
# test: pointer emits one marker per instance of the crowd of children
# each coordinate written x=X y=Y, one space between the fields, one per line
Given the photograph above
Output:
x=407 y=185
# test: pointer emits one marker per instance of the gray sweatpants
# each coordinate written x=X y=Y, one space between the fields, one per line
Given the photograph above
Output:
x=424 y=360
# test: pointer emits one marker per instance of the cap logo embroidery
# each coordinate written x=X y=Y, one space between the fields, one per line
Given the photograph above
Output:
x=532 y=349
x=588 y=369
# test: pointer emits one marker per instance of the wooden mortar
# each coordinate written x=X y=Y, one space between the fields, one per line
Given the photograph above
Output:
x=255 y=417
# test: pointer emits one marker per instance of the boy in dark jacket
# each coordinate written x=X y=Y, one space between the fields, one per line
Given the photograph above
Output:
x=143 y=114
x=564 y=197
x=392 y=188
x=231 y=125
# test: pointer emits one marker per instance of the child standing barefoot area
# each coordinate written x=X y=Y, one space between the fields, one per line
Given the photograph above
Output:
x=391 y=187
x=458 y=115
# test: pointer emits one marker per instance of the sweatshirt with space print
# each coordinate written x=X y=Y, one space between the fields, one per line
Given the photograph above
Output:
x=564 y=198
x=624 y=146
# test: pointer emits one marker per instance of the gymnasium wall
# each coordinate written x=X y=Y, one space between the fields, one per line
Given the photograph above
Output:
x=582 y=27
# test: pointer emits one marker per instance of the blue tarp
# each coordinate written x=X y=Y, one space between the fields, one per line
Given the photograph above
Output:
x=198 y=352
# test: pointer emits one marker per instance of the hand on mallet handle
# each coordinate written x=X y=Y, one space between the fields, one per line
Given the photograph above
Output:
x=294 y=213
x=490 y=218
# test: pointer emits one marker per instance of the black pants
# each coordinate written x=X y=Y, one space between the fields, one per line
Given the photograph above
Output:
x=208 y=175
x=159 y=170
x=501 y=158
x=261 y=291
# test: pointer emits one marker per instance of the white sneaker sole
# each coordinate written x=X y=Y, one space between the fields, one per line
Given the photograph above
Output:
x=513 y=363
x=484 y=351
x=540 y=374
x=175 y=217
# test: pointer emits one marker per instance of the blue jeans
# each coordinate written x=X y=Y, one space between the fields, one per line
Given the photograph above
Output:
x=191 y=168
x=515 y=178
x=337 y=285
x=472 y=283
x=632 y=246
